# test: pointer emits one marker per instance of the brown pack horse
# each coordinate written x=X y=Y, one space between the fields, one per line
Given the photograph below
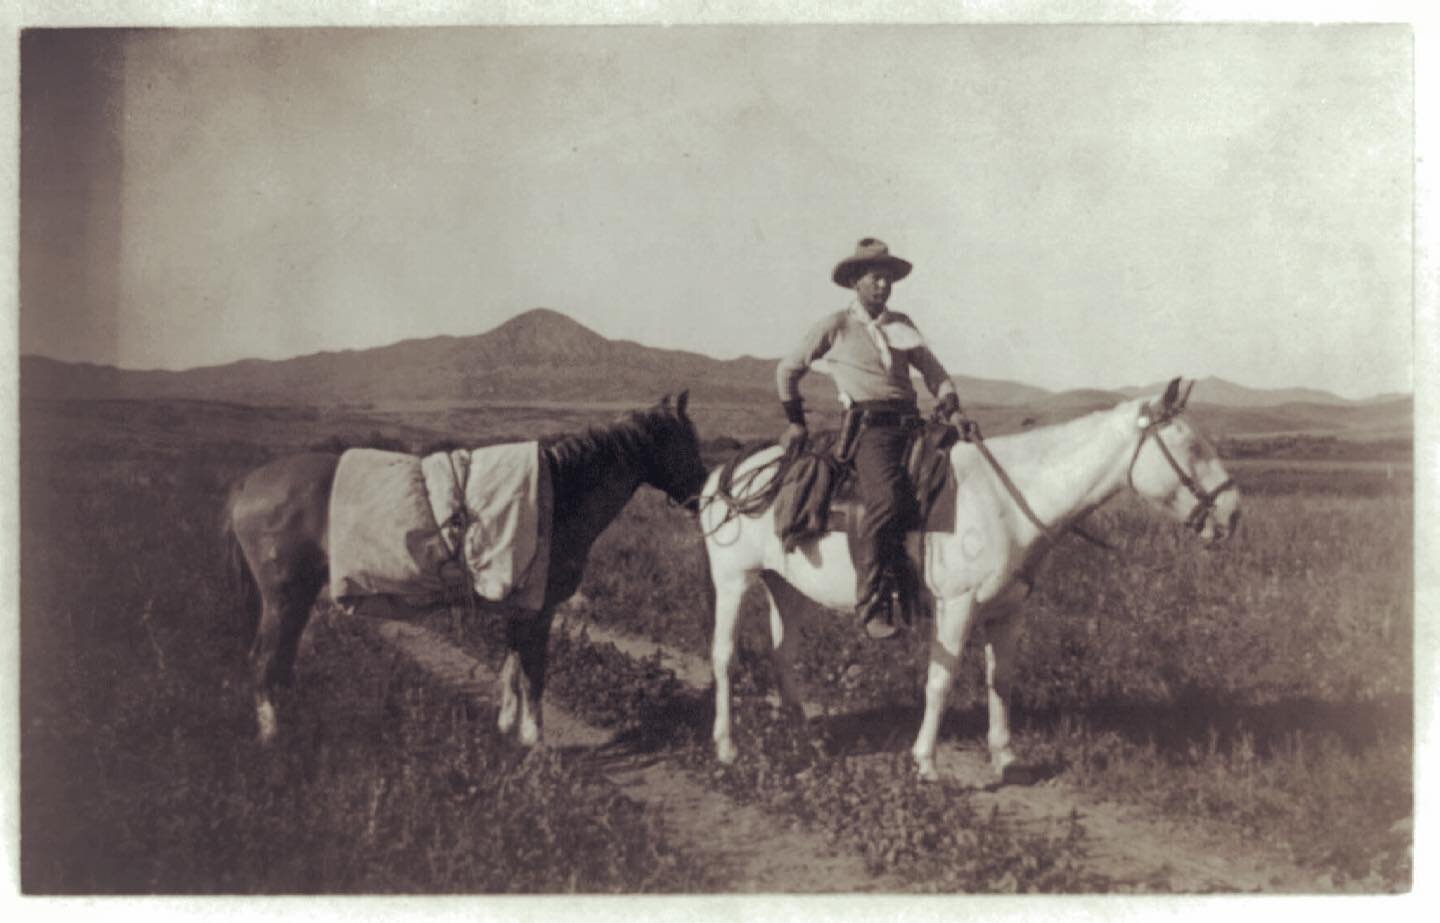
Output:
x=277 y=516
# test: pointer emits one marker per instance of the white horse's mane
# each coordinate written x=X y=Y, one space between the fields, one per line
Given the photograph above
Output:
x=1040 y=442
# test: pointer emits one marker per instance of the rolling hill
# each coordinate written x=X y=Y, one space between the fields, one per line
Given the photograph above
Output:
x=544 y=357
x=1213 y=390
x=538 y=356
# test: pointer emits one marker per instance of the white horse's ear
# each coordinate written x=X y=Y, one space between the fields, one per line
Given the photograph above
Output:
x=1185 y=398
x=1172 y=391
x=1146 y=413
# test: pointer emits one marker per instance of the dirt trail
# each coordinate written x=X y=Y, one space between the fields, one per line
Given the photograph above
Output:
x=755 y=852
x=760 y=853
x=1127 y=843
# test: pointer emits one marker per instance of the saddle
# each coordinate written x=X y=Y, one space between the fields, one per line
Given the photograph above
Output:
x=817 y=491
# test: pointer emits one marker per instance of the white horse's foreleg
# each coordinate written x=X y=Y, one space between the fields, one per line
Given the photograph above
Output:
x=784 y=636
x=1000 y=638
x=728 y=593
x=530 y=717
x=952 y=625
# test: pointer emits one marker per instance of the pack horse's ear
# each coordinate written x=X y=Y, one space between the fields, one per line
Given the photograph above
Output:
x=681 y=402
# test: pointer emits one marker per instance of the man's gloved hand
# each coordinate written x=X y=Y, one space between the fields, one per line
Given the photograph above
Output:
x=949 y=411
x=794 y=438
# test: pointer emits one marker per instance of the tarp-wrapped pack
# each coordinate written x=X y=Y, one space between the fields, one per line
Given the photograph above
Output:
x=400 y=524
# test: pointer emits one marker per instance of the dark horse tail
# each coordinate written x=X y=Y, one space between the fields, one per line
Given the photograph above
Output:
x=246 y=592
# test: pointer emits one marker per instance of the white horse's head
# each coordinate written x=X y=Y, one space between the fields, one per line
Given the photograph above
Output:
x=1176 y=468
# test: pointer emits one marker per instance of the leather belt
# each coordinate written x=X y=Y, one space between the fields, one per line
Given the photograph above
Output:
x=890 y=418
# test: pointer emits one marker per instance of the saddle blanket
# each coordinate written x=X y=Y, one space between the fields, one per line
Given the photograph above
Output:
x=405 y=526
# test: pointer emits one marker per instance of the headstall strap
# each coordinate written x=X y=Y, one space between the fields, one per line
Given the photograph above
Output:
x=1205 y=499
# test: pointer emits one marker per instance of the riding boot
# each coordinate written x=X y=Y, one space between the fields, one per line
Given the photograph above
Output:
x=907 y=591
x=874 y=606
x=877 y=616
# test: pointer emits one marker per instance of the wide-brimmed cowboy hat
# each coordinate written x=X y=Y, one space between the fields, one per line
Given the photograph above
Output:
x=869 y=253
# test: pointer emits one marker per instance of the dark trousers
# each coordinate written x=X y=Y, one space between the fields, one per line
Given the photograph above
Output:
x=884 y=486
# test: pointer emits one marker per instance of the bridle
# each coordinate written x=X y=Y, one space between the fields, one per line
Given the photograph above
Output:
x=1204 y=499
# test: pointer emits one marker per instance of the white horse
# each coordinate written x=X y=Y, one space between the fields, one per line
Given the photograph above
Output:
x=980 y=573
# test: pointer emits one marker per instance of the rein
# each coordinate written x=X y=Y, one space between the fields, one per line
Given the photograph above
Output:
x=1205 y=499
x=747 y=504
x=1019 y=499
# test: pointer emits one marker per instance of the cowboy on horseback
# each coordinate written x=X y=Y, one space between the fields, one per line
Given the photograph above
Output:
x=870 y=351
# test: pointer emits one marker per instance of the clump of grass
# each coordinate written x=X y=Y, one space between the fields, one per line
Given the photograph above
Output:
x=603 y=686
x=647 y=575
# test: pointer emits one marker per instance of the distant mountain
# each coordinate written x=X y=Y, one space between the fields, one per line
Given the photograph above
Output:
x=993 y=391
x=1213 y=390
x=545 y=357
x=1385 y=398
x=1078 y=398
x=538 y=356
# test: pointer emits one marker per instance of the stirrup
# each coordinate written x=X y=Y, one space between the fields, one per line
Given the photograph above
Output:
x=877 y=629
x=878 y=619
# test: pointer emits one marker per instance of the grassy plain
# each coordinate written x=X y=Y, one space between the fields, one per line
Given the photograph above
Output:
x=1265 y=689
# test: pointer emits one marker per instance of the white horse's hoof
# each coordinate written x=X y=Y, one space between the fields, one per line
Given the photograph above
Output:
x=505 y=721
x=726 y=752
x=925 y=769
x=529 y=734
x=1002 y=761
x=265 y=720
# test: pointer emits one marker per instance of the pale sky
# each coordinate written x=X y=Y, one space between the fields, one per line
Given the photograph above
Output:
x=1084 y=205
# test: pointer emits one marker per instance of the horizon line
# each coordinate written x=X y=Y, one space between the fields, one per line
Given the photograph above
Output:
x=541 y=309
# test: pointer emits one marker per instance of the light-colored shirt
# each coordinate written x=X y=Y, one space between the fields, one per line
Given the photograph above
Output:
x=851 y=344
